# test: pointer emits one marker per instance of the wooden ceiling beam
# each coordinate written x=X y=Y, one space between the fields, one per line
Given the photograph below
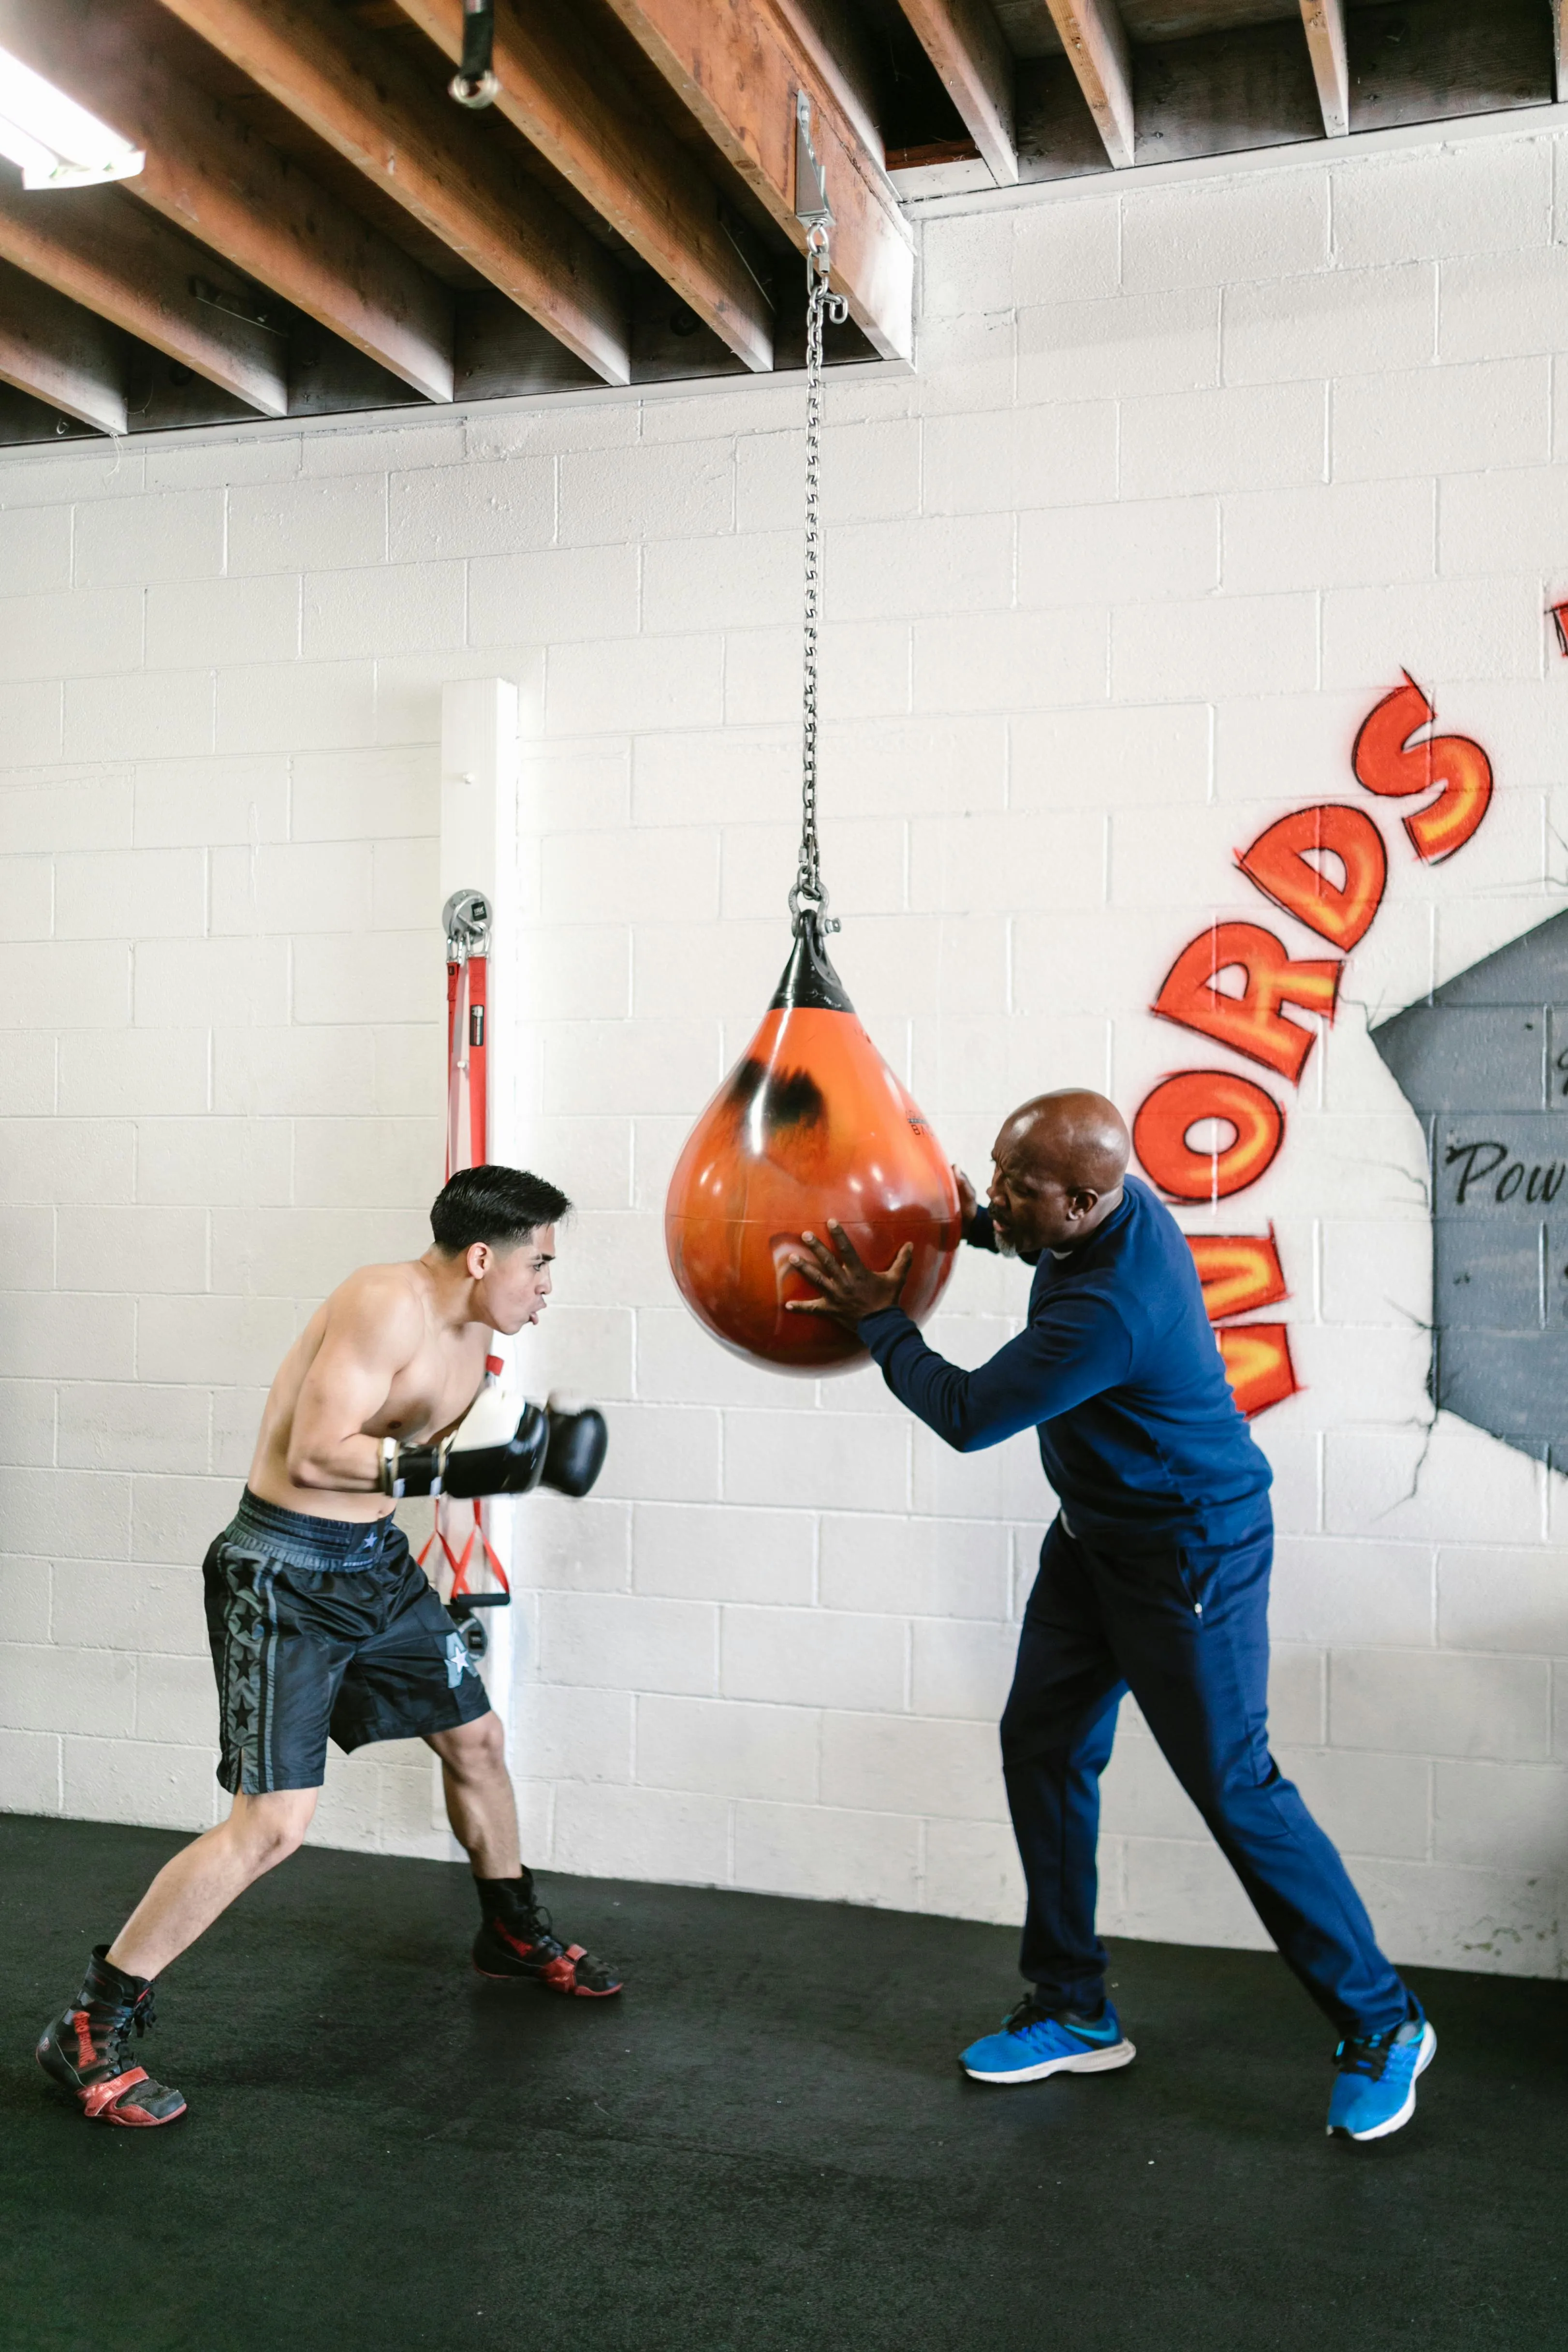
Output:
x=1323 y=21
x=448 y=168
x=212 y=176
x=1095 y=40
x=568 y=100
x=1560 y=49
x=806 y=25
x=127 y=266
x=61 y=353
x=966 y=43
x=737 y=67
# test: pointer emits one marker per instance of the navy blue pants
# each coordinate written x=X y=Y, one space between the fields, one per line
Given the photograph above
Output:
x=1185 y=1630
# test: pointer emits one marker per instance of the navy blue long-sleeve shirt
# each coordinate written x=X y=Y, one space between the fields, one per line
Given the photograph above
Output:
x=1118 y=1370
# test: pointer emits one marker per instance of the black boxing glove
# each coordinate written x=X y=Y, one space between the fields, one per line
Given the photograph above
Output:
x=514 y=1466
x=472 y=1460
x=577 y=1443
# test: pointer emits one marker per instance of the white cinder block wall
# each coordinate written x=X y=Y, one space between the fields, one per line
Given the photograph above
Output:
x=1187 y=473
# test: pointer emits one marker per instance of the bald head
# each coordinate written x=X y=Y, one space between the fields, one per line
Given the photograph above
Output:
x=1078 y=1137
x=1059 y=1162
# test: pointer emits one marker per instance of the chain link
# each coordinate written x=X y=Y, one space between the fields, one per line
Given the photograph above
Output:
x=809 y=897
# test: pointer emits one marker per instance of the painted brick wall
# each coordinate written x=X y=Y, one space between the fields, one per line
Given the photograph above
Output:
x=1188 y=472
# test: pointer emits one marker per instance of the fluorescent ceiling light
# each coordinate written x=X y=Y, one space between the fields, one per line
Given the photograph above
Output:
x=57 y=144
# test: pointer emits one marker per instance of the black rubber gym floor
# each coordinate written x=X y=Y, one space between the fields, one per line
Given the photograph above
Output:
x=765 y=2142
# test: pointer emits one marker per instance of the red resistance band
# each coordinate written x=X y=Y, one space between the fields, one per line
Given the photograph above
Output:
x=466 y=1074
x=459 y=1561
x=467 y=1052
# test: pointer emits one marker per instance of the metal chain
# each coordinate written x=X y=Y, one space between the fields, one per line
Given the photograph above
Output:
x=809 y=897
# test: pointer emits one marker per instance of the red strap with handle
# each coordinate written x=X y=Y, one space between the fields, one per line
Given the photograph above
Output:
x=468 y=1141
x=459 y=1561
x=467 y=1063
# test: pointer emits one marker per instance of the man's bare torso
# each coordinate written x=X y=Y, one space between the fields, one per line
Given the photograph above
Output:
x=427 y=1375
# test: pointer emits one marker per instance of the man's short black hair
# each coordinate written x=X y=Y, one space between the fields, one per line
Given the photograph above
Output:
x=499 y=1206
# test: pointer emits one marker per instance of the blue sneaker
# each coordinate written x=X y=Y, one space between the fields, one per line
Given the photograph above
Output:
x=1035 y=2042
x=1375 y=2093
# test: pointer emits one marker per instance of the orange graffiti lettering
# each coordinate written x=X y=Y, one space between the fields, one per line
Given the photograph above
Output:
x=1257 y=1358
x=1241 y=1272
x=1238 y=1270
x=1279 y=862
x=1178 y=1104
x=1387 y=762
x=1252 y=1021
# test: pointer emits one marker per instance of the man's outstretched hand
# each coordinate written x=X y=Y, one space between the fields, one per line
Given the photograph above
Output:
x=849 y=1287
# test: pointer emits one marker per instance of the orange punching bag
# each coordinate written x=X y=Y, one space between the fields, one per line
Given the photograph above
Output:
x=810 y=1124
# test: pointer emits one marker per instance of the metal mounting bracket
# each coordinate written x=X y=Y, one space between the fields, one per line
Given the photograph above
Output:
x=811 y=206
x=237 y=307
x=465 y=919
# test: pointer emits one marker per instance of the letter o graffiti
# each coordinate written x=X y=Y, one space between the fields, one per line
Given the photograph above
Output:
x=1178 y=1104
x=1508 y=1183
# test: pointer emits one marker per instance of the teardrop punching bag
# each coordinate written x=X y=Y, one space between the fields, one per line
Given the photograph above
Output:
x=810 y=1124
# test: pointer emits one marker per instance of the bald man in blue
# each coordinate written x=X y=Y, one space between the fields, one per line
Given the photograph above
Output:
x=1153 y=1578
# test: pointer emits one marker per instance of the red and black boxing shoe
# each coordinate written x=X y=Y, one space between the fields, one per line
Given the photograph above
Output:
x=89 y=2050
x=518 y=1939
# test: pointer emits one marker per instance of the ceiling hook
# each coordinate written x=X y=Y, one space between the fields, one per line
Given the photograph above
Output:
x=475 y=83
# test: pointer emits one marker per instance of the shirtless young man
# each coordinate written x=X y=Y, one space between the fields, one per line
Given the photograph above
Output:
x=322 y=1623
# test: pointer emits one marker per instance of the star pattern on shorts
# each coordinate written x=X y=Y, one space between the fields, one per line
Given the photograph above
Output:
x=246 y=1623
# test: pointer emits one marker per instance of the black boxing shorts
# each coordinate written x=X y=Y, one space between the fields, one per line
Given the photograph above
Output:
x=325 y=1629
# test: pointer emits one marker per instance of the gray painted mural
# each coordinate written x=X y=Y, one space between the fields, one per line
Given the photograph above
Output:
x=1484 y=1065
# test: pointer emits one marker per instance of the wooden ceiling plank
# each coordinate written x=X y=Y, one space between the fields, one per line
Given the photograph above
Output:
x=737 y=69
x=1095 y=40
x=566 y=98
x=218 y=179
x=806 y=24
x=124 y=264
x=965 y=43
x=405 y=134
x=210 y=174
x=1324 y=22
x=61 y=353
x=1560 y=49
